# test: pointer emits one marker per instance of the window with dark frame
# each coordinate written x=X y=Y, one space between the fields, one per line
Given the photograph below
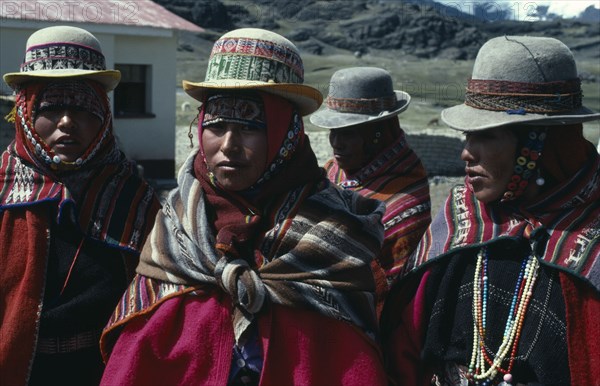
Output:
x=132 y=95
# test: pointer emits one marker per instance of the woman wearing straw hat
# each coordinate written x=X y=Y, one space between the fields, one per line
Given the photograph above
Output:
x=504 y=287
x=73 y=213
x=258 y=270
x=371 y=156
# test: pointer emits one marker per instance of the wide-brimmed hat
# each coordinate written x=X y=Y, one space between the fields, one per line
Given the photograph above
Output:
x=257 y=59
x=521 y=80
x=63 y=52
x=358 y=95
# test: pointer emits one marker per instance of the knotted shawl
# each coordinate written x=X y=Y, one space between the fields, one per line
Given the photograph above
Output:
x=397 y=177
x=316 y=255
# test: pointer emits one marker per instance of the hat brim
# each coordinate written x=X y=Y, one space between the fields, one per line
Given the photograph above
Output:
x=327 y=118
x=306 y=98
x=467 y=118
x=108 y=78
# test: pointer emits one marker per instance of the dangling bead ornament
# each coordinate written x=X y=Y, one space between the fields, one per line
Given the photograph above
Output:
x=539 y=181
x=525 y=164
x=377 y=136
x=483 y=367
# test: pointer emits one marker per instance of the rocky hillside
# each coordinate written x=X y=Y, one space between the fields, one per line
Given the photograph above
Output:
x=422 y=29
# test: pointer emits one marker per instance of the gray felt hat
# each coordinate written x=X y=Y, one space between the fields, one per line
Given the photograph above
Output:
x=63 y=52
x=358 y=95
x=521 y=80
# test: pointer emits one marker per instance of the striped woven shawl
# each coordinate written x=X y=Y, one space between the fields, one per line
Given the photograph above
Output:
x=398 y=178
x=569 y=215
x=109 y=201
x=316 y=255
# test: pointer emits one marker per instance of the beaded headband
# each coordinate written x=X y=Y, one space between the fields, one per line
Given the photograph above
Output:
x=25 y=121
x=231 y=108
x=362 y=105
x=70 y=94
x=521 y=98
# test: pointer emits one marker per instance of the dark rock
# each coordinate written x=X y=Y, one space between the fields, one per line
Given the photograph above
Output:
x=299 y=35
x=312 y=47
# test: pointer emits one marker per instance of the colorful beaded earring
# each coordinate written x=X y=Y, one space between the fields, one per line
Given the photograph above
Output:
x=525 y=164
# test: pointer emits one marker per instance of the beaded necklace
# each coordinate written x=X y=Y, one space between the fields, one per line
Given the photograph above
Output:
x=484 y=366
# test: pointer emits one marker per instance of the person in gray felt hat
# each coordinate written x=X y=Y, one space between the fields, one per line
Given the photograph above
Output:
x=504 y=287
x=372 y=157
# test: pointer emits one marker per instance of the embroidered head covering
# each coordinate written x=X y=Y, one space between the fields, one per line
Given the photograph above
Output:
x=77 y=95
x=74 y=93
x=32 y=173
x=285 y=129
x=246 y=110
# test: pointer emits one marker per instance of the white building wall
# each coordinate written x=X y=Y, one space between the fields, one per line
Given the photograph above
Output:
x=142 y=139
x=152 y=137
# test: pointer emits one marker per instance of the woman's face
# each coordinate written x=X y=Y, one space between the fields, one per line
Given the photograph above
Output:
x=235 y=153
x=490 y=157
x=348 y=149
x=67 y=131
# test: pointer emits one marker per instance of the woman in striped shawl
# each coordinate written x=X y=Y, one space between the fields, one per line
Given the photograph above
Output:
x=258 y=270
x=371 y=156
x=504 y=287
x=73 y=214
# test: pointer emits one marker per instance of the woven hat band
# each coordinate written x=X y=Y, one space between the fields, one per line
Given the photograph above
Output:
x=254 y=60
x=362 y=105
x=521 y=98
x=59 y=56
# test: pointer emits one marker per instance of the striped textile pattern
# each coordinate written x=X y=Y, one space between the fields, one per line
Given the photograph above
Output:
x=569 y=215
x=115 y=207
x=398 y=178
x=318 y=257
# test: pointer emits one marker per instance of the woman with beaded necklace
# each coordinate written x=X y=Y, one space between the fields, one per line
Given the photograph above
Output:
x=503 y=288
x=73 y=213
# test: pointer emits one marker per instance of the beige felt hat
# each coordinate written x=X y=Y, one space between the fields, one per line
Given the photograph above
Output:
x=521 y=80
x=63 y=52
x=257 y=59
x=359 y=95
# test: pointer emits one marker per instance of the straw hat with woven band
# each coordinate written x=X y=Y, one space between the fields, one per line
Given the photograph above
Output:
x=358 y=95
x=521 y=80
x=257 y=59
x=63 y=52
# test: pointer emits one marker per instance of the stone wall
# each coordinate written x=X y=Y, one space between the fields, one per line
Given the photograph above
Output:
x=440 y=154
